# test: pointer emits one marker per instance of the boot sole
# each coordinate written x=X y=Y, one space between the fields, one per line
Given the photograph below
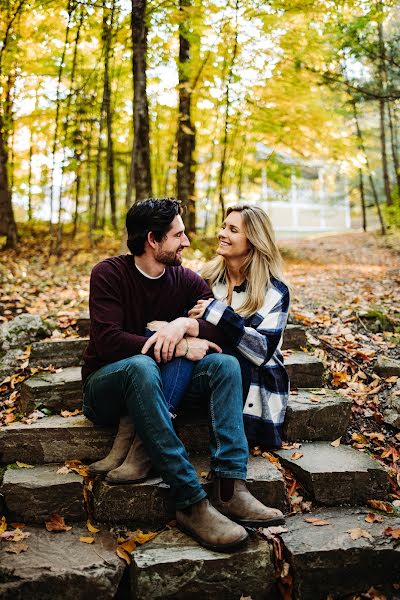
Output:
x=215 y=547
x=261 y=523
x=125 y=481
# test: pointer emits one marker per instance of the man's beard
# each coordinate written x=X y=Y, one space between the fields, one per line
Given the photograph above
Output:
x=170 y=259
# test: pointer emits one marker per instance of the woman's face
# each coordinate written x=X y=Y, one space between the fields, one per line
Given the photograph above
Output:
x=233 y=243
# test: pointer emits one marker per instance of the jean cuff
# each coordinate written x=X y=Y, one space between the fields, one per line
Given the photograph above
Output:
x=189 y=501
x=230 y=474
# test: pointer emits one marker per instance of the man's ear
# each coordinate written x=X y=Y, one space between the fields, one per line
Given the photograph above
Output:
x=151 y=240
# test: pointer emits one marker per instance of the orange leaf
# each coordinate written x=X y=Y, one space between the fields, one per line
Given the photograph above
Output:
x=68 y=413
x=381 y=505
x=373 y=518
x=394 y=533
x=129 y=545
x=297 y=455
x=316 y=521
x=91 y=527
x=270 y=457
x=57 y=523
x=123 y=554
x=86 y=540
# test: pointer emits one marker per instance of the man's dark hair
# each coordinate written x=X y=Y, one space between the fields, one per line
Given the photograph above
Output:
x=153 y=214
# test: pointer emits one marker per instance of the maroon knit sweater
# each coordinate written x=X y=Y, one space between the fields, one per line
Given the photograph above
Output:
x=122 y=301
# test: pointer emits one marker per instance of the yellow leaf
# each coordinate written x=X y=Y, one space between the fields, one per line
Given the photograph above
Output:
x=142 y=538
x=123 y=554
x=297 y=455
x=336 y=443
x=129 y=545
x=358 y=533
x=3 y=524
x=22 y=465
x=86 y=540
x=91 y=527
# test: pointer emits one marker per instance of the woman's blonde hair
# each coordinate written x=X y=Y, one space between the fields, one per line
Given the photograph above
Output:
x=262 y=262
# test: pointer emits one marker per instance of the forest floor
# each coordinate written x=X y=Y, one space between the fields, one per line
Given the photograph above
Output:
x=345 y=290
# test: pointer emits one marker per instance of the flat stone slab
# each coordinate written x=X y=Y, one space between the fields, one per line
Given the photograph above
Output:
x=58 y=566
x=294 y=337
x=304 y=370
x=59 y=353
x=335 y=476
x=56 y=391
x=54 y=439
x=315 y=414
x=175 y=566
x=149 y=503
x=387 y=367
x=32 y=495
x=326 y=560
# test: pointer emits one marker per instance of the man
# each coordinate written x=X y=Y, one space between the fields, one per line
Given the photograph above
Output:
x=122 y=381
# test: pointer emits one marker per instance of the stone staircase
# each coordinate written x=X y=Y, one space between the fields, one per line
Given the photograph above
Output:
x=322 y=560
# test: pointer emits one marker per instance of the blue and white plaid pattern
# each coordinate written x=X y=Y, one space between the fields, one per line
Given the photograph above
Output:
x=258 y=338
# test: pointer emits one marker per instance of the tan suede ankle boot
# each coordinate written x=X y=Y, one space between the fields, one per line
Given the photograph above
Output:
x=136 y=466
x=122 y=443
x=209 y=528
x=243 y=508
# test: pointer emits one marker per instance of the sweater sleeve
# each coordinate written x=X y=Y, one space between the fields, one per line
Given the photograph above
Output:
x=200 y=290
x=258 y=341
x=112 y=343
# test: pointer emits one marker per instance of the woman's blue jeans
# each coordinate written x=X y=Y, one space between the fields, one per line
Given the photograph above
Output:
x=134 y=386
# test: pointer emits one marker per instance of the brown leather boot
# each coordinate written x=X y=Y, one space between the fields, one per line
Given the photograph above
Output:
x=136 y=466
x=209 y=528
x=119 y=450
x=242 y=507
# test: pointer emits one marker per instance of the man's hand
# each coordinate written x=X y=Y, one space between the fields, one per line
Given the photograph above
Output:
x=156 y=325
x=168 y=336
x=198 y=348
x=198 y=310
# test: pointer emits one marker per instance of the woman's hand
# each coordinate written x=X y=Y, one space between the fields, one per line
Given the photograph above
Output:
x=198 y=310
x=194 y=348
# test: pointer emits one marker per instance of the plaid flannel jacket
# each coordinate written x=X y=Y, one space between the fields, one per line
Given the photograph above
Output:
x=258 y=338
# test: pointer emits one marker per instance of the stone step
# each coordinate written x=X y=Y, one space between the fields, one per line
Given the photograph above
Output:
x=326 y=562
x=304 y=370
x=33 y=495
x=175 y=566
x=312 y=414
x=149 y=503
x=59 y=353
x=63 y=390
x=58 y=566
x=333 y=476
x=54 y=439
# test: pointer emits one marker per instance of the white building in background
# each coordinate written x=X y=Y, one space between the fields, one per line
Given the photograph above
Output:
x=317 y=200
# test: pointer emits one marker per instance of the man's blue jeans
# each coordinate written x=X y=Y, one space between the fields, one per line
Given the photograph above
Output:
x=133 y=385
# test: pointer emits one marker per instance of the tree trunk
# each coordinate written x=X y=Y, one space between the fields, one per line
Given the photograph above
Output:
x=226 y=124
x=394 y=148
x=186 y=134
x=362 y=198
x=108 y=27
x=382 y=102
x=371 y=181
x=140 y=172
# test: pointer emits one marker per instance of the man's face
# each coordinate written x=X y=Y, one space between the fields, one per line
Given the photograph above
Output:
x=169 y=250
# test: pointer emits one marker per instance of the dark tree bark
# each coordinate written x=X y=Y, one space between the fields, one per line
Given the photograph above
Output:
x=394 y=148
x=186 y=134
x=371 y=180
x=8 y=226
x=228 y=102
x=362 y=198
x=382 y=82
x=108 y=23
x=140 y=172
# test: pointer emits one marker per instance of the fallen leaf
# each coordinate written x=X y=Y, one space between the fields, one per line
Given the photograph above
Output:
x=57 y=523
x=316 y=521
x=270 y=457
x=63 y=471
x=22 y=465
x=277 y=530
x=77 y=467
x=123 y=554
x=336 y=443
x=286 y=446
x=314 y=398
x=373 y=518
x=297 y=455
x=68 y=413
x=19 y=535
x=3 y=524
x=381 y=505
x=91 y=527
x=392 y=379
x=358 y=533
x=17 y=548
x=359 y=438
x=142 y=538
x=129 y=545
x=86 y=540
x=394 y=533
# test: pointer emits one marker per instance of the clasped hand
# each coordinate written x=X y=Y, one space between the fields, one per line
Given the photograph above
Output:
x=198 y=310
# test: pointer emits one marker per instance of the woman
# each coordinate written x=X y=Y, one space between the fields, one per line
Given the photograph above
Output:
x=251 y=307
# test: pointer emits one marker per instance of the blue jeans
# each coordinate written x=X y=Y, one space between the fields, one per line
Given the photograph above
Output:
x=134 y=386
